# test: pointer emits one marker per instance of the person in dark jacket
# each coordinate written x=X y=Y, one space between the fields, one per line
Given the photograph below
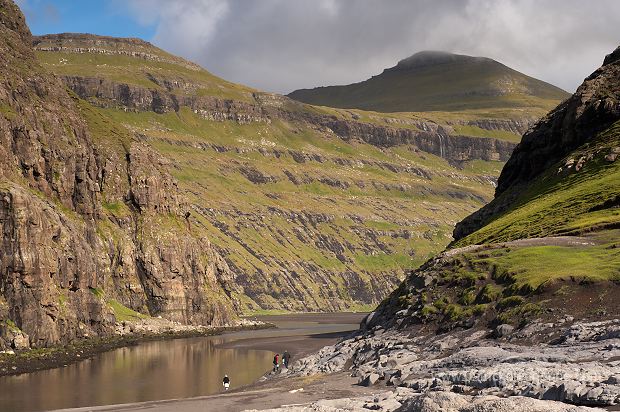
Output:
x=226 y=382
x=286 y=359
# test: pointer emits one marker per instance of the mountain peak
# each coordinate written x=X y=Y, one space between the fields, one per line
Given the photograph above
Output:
x=427 y=58
x=438 y=81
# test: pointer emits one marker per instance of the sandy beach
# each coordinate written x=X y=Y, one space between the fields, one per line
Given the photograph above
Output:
x=270 y=394
x=300 y=344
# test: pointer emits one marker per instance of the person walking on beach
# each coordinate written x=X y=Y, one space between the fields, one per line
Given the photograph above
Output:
x=226 y=382
x=286 y=358
x=276 y=362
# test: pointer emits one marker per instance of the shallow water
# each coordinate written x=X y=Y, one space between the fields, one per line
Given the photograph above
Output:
x=169 y=369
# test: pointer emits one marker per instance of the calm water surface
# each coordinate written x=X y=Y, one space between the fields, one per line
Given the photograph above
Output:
x=159 y=370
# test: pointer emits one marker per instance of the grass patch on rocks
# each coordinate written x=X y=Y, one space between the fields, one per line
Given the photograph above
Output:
x=509 y=284
x=121 y=312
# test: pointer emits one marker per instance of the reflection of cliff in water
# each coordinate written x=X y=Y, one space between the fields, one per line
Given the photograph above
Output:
x=154 y=370
x=169 y=369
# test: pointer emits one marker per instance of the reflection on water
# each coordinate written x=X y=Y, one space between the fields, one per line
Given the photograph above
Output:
x=153 y=370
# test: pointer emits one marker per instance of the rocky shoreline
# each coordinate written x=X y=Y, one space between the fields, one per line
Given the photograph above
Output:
x=564 y=366
x=127 y=333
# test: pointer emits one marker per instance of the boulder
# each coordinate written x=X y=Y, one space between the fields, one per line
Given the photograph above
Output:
x=370 y=379
x=503 y=331
x=21 y=341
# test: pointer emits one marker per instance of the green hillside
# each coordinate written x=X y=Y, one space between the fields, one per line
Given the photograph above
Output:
x=548 y=244
x=309 y=207
x=431 y=81
x=560 y=201
x=132 y=62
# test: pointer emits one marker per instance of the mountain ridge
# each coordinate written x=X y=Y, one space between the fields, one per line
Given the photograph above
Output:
x=429 y=80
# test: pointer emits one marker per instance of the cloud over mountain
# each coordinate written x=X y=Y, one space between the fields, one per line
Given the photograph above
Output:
x=281 y=45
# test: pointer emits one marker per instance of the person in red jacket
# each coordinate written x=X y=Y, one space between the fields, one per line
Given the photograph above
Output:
x=276 y=362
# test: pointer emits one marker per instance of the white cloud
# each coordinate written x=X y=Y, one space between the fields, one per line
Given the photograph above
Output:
x=282 y=45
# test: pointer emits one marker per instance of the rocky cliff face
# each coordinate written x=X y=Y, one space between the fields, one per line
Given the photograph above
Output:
x=430 y=137
x=80 y=217
x=592 y=109
x=106 y=93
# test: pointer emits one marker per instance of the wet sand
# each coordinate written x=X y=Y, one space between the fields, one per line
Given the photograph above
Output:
x=297 y=346
x=271 y=394
x=300 y=345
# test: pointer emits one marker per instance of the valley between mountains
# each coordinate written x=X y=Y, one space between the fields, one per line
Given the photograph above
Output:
x=136 y=184
x=312 y=208
x=471 y=210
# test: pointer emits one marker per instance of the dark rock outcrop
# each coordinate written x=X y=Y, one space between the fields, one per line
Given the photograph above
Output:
x=106 y=93
x=432 y=138
x=593 y=108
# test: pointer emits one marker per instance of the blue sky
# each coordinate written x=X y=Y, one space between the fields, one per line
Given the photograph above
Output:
x=85 y=16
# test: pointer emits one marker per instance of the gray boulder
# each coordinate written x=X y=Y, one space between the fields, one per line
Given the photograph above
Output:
x=503 y=331
x=370 y=379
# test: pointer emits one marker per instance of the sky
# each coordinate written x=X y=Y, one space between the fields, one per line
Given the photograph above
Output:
x=283 y=45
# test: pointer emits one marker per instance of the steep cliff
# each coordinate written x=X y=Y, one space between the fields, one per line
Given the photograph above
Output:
x=547 y=245
x=82 y=205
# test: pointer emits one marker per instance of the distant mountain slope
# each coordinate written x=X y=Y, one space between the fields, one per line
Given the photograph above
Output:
x=312 y=208
x=431 y=80
x=548 y=245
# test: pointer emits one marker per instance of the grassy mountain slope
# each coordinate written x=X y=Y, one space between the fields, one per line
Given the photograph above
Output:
x=560 y=201
x=431 y=81
x=134 y=62
x=548 y=244
x=310 y=209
